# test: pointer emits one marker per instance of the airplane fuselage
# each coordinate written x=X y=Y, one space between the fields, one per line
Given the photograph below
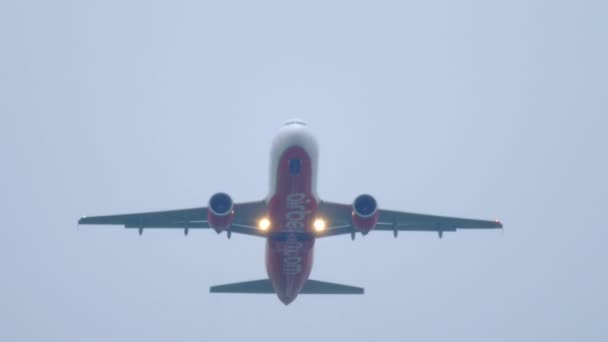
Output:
x=292 y=204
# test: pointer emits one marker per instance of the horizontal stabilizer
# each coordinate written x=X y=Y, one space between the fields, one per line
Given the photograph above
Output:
x=254 y=286
x=265 y=286
x=321 y=287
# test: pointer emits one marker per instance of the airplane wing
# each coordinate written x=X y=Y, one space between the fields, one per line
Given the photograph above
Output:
x=339 y=220
x=246 y=216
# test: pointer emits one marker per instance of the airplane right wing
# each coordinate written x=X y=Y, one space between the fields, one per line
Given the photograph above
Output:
x=422 y=222
x=339 y=217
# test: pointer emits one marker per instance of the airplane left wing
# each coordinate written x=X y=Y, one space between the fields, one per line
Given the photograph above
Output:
x=246 y=215
x=339 y=218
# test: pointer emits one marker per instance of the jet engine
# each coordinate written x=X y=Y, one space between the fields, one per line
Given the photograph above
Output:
x=220 y=212
x=365 y=213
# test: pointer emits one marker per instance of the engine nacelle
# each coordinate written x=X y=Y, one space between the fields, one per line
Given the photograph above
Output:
x=365 y=213
x=220 y=212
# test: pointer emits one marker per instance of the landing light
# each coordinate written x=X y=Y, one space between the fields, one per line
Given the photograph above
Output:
x=319 y=225
x=264 y=224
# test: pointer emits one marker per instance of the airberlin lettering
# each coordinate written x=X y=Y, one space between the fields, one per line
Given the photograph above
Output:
x=292 y=261
x=296 y=212
x=295 y=222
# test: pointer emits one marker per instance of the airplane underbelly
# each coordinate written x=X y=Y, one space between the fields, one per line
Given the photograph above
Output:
x=292 y=208
x=289 y=262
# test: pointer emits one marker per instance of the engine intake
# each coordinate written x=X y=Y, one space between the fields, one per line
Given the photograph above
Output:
x=220 y=213
x=365 y=213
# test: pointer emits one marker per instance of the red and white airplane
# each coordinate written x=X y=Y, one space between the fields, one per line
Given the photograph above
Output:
x=290 y=218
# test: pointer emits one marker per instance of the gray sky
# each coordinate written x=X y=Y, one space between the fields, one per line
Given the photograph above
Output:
x=479 y=109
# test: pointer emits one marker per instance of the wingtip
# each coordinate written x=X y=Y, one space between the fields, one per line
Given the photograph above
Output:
x=499 y=224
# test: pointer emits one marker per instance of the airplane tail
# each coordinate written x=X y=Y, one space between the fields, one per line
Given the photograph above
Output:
x=265 y=286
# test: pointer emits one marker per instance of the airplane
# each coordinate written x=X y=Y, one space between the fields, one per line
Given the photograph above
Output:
x=291 y=217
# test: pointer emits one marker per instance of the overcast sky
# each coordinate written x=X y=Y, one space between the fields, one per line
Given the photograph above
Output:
x=481 y=109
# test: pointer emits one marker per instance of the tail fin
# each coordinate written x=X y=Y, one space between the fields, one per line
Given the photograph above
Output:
x=265 y=286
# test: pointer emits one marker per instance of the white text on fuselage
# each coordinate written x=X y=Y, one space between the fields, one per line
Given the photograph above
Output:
x=295 y=223
x=296 y=212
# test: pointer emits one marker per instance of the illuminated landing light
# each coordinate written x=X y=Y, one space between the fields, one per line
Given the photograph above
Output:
x=264 y=224
x=319 y=225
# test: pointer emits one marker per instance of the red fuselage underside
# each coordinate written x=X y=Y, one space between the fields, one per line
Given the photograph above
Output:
x=289 y=249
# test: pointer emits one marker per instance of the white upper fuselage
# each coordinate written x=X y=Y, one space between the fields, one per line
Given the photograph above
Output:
x=293 y=133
